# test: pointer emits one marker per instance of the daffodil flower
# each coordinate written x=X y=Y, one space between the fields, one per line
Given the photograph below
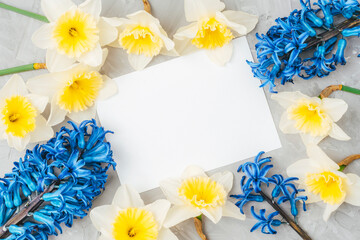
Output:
x=75 y=33
x=322 y=181
x=195 y=194
x=128 y=218
x=20 y=119
x=74 y=92
x=142 y=36
x=312 y=117
x=212 y=29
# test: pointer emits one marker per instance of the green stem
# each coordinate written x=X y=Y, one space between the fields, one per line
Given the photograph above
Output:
x=330 y=89
x=24 y=12
x=350 y=90
x=24 y=68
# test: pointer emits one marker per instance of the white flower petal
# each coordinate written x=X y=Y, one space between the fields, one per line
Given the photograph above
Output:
x=14 y=86
x=93 y=7
x=188 y=31
x=335 y=108
x=42 y=132
x=171 y=53
x=108 y=33
x=353 y=191
x=300 y=168
x=214 y=214
x=170 y=189
x=287 y=125
x=104 y=237
x=126 y=197
x=80 y=116
x=92 y=58
x=309 y=139
x=166 y=234
x=169 y=44
x=103 y=218
x=114 y=21
x=139 y=62
x=109 y=89
x=143 y=18
x=57 y=115
x=337 y=133
x=105 y=53
x=56 y=62
x=39 y=102
x=178 y=214
x=54 y=9
x=239 y=21
x=221 y=55
x=193 y=171
x=330 y=209
x=42 y=38
x=231 y=210
x=197 y=9
x=287 y=99
x=18 y=143
x=225 y=179
x=317 y=155
x=46 y=84
x=159 y=209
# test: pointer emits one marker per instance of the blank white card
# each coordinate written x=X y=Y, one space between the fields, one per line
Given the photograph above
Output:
x=187 y=111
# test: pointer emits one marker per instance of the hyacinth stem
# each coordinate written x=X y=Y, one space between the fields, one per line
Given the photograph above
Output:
x=330 y=89
x=147 y=6
x=288 y=219
x=24 y=213
x=346 y=161
x=24 y=12
x=23 y=68
x=199 y=227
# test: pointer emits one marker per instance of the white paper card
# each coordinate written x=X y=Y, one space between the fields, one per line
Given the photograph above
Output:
x=187 y=111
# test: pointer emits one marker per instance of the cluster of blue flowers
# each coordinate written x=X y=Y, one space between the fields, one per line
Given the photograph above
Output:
x=251 y=185
x=279 y=50
x=58 y=180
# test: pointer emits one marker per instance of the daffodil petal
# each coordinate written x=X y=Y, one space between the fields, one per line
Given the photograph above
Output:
x=188 y=31
x=230 y=210
x=93 y=7
x=42 y=131
x=239 y=21
x=286 y=99
x=197 y=9
x=178 y=214
x=171 y=53
x=300 y=168
x=225 y=179
x=169 y=44
x=286 y=125
x=54 y=9
x=353 y=192
x=334 y=107
x=143 y=18
x=14 y=86
x=46 y=84
x=42 y=38
x=126 y=197
x=83 y=115
x=309 y=139
x=337 y=133
x=214 y=214
x=139 y=62
x=159 y=209
x=115 y=21
x=170 y=189
x=104 y=237
x=93 y=58
x=239 y=29
x=221 y=55
x=103 y=218
x=193 y=171
x=57 y=115
x=39 y=102
x=56 y=62
x=166 y=234
x=329 y=210
x=109 y=89
x=17 y=142
x=317 y=155
x=108 y=33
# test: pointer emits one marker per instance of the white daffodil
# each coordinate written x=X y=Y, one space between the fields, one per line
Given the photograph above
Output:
x=75 y=33
x=127 y=218
x=195 y=193
x=21 y=122
x=212 y=29
x=142 y=36
x=322 y=181
x=74 y=92
x=312 y=117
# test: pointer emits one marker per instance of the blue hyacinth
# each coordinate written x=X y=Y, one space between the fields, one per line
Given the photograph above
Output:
x=266 y=224
x=312 y=28
x=55 y=183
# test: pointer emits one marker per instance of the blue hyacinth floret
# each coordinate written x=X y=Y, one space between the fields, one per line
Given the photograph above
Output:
x=316 y=28
x=252 y=185
x=55 y=183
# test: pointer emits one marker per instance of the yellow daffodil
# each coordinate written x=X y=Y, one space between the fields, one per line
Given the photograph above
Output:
x=74 y=92
x=142 y=36
x=195 y=193
x=212 y=29
x=322 y=181
x=74 y=34
x=20 y=119
x=312 y=117
x=127 y=218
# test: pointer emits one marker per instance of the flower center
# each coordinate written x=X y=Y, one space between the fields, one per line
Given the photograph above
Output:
x=310 y=118
x=18 y=115
x=141 y=40
x=80 y=92
x=328 y=185
x=75 y=33
x=202 y=192
x=212 y=34
x=135 y=224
